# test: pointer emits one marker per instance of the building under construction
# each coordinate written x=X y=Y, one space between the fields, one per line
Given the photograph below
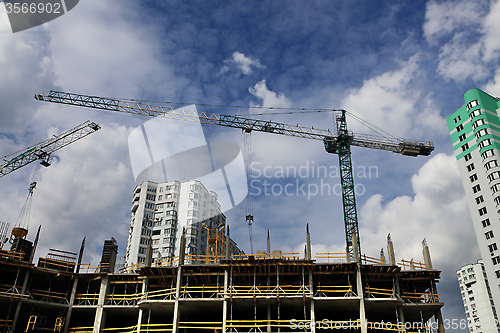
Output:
x=265 y=292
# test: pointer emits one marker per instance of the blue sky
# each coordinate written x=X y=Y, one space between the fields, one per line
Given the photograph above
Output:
x=401 y=65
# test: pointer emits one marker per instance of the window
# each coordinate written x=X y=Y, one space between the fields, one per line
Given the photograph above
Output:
x=156 y=241
x=480 y=133
x=467 y=157
x=476 y=188
x=465 y=147
x=489 y=234
x=497 y=200
x=473 y=178
x=492 y=247
x=491 y=164
x=484 y=143
x=478 y=123
x=494 y=175
x=475 y=113
x=161 y=189
x=482 y=211
x=156 y=232
x=487 y=154
x=469 y=292
x=460 y=127
x=470 y=167
x=498 y=274
x=496 y=260
x=479 y=199
x=461 y=137
x=159 y=197
x=472 y=104
x=485 y=223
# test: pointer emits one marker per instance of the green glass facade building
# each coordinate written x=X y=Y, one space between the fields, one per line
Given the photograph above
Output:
x=475 y=133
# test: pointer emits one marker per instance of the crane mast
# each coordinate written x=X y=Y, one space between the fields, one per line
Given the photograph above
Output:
x=339 y=143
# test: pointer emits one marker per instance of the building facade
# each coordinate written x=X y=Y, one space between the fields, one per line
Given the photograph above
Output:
x=475 y=133
x=477 y=298
x=267 y=293
x=160 y=213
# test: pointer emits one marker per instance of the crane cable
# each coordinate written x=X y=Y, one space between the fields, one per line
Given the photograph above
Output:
x=24 y=215
x=247 y=152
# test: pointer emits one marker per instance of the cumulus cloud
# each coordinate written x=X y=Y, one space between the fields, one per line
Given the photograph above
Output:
x=242 y=62
x=391 y=100
x=443 y=18
x=468 y=31
x=438 y=211
x=269 y=98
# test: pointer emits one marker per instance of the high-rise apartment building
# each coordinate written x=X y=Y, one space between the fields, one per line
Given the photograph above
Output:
x=478 y=301
x=160 y=213
x=475 y=133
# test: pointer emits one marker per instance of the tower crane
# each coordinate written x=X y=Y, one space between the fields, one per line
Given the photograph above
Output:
x=336 y=143
x=44 y=150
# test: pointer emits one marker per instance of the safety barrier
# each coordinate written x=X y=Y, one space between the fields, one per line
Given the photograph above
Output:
x=379 y=293
x=372 y=260
x=412 y=265
x=203 y=325
x=422 y=297
x=333 y=257
x=334 y=291
x=86 y=299
x=201 y=292
x=12 y=255
x=266 y=291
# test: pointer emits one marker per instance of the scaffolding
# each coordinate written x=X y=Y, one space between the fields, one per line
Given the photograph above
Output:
x=263 y=292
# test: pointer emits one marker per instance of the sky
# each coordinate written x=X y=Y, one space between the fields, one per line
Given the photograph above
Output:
x=402 y=66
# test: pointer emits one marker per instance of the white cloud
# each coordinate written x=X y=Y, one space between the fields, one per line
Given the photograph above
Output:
x=443 y=18
x=242 y=62
x=470 y=30
x=458 y=60
x=493 y=86
x=491 y=27
x=438 y=212
x=269 y=98
x=391 y=100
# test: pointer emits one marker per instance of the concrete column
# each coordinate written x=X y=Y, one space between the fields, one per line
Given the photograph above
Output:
x=141 y=311
x=390 y=251
x=100 y=314
x=268 y=306
x=439 y=317
x=427 y=255
x=228 y=241
x=399 y=309
x=226 y=299
x=20 y=303
x=182 y=247
x=313 y=314
x=139 y=319
x=355 y=247
x=308 y=244
x=71 y=301
x=359 y=284
x=268 y=250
